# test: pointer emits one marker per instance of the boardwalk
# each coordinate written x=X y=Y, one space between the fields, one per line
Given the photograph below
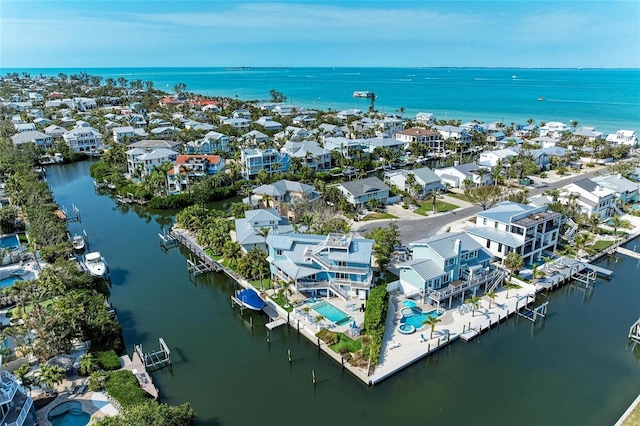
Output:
x=206 y=264
x=628 y=252
x=136 y=366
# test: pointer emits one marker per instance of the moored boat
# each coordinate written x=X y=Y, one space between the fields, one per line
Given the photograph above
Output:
x=541 y=98
x=95 y=264
x=78 y=242
x=249 y=298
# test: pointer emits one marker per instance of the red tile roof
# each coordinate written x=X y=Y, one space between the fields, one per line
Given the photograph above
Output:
x=184 y=158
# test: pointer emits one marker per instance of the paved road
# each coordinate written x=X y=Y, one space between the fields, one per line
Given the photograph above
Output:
x=415 y=229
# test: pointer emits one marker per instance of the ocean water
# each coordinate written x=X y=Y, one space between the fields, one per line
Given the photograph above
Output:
x=607 y=99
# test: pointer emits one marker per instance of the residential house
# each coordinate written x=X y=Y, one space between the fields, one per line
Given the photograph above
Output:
x=151 y=144
x=513 y=227
x=164 y=132
x=56 y=132
x=425 y=179
x=624 y=137
x=462 y=136
x=269 y=160
x=430 y=138
x=330 y=130
x=332 y=265
x=188 y=167
x=445 y=267
x=212 y=142
x=554 y=129
x=383 y=141
x=360 y=192
x=25 y=127
x=39 y=139
x=241 y=113
x=455 y=176
x=589 y=134
x=281 y=192
x=292 y=133
x=145 y=161
x=426 y=118
x=252 y=229
x=489 y=159
x=349 y=113
x=310 y=153
x=83 y=138
x=256 y=138
x=591 y=197
x=241 y=124
x=269 y=123
x=626 y=191
x=124 y=133
x=347 y=147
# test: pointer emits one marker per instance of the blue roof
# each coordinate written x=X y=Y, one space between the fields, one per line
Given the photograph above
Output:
x=493 y=234
x=504 y=211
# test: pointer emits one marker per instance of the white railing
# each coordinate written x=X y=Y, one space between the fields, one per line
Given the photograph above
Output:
x=24 y=412
x=8 y=387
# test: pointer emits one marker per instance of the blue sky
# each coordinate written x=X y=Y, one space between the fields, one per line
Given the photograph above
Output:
x=99 y=33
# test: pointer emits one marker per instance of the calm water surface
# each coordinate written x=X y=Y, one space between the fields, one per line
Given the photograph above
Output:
x=575 y=369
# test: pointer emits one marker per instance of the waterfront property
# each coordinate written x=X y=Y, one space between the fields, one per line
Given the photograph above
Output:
x=625 y=190
x=513 y=227
x=269 y=160
x=447 y=267
x=250 y=230
x=333 y=265
x=189 y=167
x=591 y=197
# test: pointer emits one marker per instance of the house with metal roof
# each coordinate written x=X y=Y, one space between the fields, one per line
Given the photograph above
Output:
x=39 y=139
x=446 y=267
x=310 y=153
x=282 y=191
x=252 y=229
x=83 y=138
x=145 y=161
x=513 y=227
x=270 y=160
x=424 y=177
x=360 y=192
x=332 y=265
x=625 y=190
x=624 y=137
x=455 y=176
x=591 y=197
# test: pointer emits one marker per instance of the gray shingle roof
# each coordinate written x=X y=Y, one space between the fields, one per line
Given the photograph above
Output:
x=363 y=186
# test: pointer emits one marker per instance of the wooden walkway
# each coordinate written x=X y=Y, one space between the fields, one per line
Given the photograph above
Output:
x=136 y=366
x=205 y=262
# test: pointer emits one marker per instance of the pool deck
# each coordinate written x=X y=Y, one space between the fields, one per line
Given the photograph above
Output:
x=401 y=350
x=96 y=404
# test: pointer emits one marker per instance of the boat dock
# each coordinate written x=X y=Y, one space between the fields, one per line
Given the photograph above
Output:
x=136 y=366
x=628 y=252
x=634 y=332
x=202 y=261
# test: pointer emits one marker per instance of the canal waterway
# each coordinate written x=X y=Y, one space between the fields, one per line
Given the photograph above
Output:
x=576 y=368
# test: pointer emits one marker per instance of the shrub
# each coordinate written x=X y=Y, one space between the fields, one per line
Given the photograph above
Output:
x=96 y=381
x=329 y=337
x=107 y=360
x=375 y=318
x=123 y=386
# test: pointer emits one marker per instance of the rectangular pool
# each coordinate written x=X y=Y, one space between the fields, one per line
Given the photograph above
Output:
x=9 y=242
x=330 y=312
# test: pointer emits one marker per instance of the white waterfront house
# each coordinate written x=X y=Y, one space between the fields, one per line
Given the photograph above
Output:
x=270 y=160
x=513 y=227
x=39 y=139
x=624 y=137
x=145 y=161
x=83 y=138
x=591 y=197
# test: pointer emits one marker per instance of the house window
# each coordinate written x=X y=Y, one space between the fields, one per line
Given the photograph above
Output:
x=499 y=247
x=484 y=220
x=495 y=225
x=488 y=243
x=279 y=252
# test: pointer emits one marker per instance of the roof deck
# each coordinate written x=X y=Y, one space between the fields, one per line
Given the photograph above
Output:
x=536 y=218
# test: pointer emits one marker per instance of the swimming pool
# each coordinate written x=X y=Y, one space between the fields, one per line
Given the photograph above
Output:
x=331 y=313
x=69 y=414
x=9 y=242
x=417 y=318
x=9 y=281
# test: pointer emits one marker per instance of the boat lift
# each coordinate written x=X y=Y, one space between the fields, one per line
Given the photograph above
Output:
x=157 y=359
x=535 y=313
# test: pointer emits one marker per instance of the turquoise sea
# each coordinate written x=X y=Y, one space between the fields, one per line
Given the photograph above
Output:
x=607 y=99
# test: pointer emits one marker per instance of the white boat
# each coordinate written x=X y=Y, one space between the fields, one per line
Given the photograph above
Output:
x=362 y=94
x=95 y=264
x=78 y=242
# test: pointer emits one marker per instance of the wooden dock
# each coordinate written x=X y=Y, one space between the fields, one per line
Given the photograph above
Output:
x=202 y=261
x=628 y=252
x=136 y=366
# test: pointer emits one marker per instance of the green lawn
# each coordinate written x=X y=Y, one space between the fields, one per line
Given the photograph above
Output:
x=634 y=417
x=426 y=207
x=601 y=245
x=461 y=197
x=281 y=300
x=346 y=342
x=374 y=216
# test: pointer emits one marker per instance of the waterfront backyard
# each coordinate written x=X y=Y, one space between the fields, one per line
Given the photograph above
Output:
x=577 y=363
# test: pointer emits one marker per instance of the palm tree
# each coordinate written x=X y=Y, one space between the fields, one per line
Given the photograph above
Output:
x=87 y=365
x=513 y=262
x=431 y=321
x=616 y=223
x=50 y=375
x=594 y=221
x=267 y=199
x=510 y=286
x=474 y=301
x=492 y=296
x=232 y=252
